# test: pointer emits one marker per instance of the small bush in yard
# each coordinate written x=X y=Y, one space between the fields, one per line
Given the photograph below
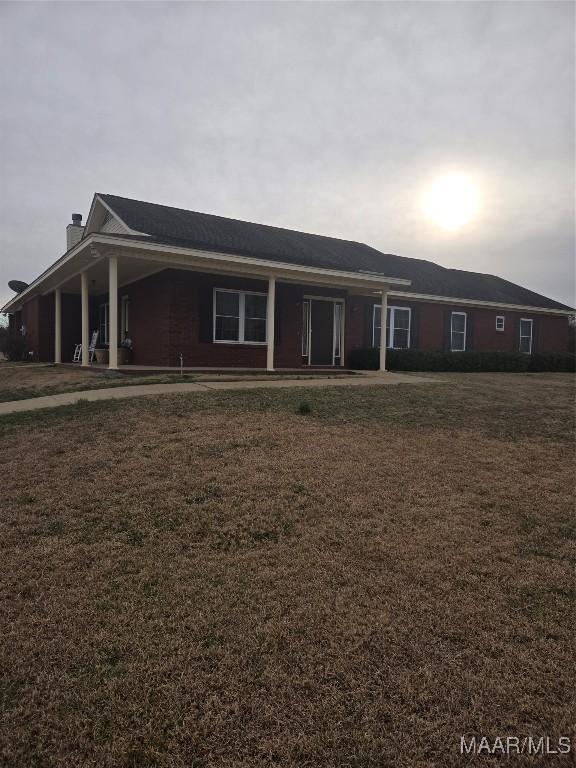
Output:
x=415 y=360
x=565 y=363
x=367 y=359
x=14 y=346
x=304 y=408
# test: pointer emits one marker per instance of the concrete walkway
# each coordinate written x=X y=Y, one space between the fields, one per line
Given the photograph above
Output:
x=138 y=390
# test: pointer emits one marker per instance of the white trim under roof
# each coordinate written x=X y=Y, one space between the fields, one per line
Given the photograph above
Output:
x=64 y=259
x=479 y=303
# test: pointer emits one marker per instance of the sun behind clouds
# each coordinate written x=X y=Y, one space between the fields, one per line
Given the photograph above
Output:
x=451 y=201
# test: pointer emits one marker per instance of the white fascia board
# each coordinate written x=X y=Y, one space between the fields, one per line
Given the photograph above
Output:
x=90 y=215
x=266 y=267
x=478 y=303
x=64 y=259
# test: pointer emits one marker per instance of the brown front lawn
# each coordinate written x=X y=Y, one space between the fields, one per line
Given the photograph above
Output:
x=26 y=380
x=218 y=580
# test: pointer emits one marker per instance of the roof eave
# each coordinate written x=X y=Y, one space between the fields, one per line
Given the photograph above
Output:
x=482 y=303
x=60 y=262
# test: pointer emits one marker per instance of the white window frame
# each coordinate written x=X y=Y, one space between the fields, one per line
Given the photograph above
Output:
x=391 y=311
x=520 y=336
x=465 y=314
x=503 y=319
x=241 y=319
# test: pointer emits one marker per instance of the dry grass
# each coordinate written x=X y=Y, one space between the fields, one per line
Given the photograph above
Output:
x=15 y=377
x=214 y=580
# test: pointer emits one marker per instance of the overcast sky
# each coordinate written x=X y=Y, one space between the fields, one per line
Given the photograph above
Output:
x=325 y=117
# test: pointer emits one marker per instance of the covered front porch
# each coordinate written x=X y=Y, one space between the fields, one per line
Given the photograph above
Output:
x=183 y=310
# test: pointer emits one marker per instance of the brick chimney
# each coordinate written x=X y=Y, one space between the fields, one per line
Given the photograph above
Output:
x=74 y=231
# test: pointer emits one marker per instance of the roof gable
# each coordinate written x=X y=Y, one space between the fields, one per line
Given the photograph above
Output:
x=102 y=218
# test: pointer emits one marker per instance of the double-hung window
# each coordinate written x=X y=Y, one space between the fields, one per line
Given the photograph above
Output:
x=397 y=327
x=458 y=332
x=500 y=319
x=526 y=336
x=240 y=316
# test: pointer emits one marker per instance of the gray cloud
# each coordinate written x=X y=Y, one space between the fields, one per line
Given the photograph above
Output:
x=327 y=117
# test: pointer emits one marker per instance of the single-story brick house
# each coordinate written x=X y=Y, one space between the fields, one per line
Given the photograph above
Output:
x=221 y=292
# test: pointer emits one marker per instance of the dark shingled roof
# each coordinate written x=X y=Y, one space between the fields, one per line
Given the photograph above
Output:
x=176 y=226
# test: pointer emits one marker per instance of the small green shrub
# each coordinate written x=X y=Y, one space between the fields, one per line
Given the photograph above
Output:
x=552 y=362
x=304 y=408
x=367 y=359
x=15 y=347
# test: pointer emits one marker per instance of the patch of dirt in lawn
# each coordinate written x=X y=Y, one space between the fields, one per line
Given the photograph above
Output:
x=14 y=376
x=224 y=589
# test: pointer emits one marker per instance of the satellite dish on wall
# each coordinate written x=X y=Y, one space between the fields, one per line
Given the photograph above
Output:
x=17 y=285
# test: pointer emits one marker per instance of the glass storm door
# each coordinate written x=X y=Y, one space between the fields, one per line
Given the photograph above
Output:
x=322 y=331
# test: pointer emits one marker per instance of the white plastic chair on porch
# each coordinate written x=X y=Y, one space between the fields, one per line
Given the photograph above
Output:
x=77 y=358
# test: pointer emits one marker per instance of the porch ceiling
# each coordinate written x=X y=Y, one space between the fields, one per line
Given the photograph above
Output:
x=129 y=270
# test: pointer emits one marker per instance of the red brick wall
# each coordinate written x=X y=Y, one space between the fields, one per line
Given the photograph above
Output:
x=168 y=317
x=358 y=323
x=550 y=333
x=553 y=334
x=38 y=317
x=30 y=318
x=190 y=322
x=289 y=315
x=71 y=325
x=149 y=317
x=46 y=323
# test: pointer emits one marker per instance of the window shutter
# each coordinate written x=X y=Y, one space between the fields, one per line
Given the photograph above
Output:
x=535 y=329
x=205 y=312
x=447 y=330
x=368 y=324
x=516 y=334
x=469 y=332
x=414 y=327
x=278 y=304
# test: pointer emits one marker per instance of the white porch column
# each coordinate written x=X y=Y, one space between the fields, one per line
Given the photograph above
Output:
x=58 y=325
x=113 y=312
x=383 y=313
x=270 y=323
x=85 y=318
